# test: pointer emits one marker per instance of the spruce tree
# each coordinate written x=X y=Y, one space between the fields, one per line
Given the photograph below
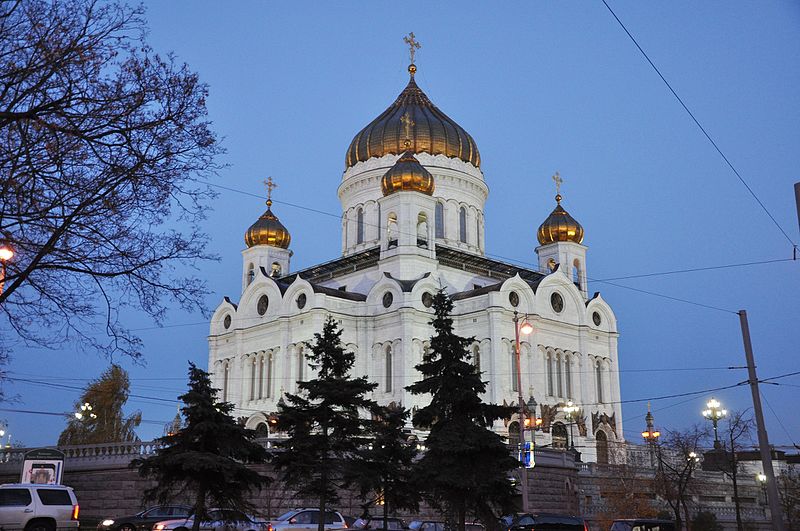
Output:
x=325 y=423
x=206 y=459
x=465 y=465
x=389 y=461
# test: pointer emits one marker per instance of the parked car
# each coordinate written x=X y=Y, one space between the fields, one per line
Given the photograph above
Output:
x=376 y=522
x=305 y=519
x=144 y=520
x=35 y=507
x=435 y=525
x=544 y=521
x=218 y=520
x=643 y=524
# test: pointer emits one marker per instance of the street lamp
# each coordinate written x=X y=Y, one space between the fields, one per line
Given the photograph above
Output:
x=762 y=480
x=86 y=412
x=714 y=413
x=570 y=410
x=650 y=435
x=6 y=254
x=521 y=328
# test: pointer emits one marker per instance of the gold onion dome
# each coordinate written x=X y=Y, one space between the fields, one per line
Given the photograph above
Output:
x=268 y=230
x=434 y=132
x=407 y=175
x=559 y=227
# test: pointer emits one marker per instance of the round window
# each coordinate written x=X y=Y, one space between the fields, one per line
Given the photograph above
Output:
x=263 y=304
x=226 y=322
x=427 y=299
x=557 y=302
x=387 y=299
x=301 y=301
x=596 y=319
x=513 y=298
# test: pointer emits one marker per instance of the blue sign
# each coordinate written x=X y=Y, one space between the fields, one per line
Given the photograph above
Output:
x=526 y=455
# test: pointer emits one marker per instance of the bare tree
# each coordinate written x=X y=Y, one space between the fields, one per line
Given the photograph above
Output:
x=101 y=144
x=678 y=458
x=789 y=491
x=738 y=435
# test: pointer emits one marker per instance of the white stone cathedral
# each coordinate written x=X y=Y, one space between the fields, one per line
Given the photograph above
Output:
x=413 y=197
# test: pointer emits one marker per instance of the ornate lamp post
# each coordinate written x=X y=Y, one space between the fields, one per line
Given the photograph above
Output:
x=521 y=328
x=570 y=411
x=762 y=480
x=6 y=254
x=714 y=413
x=650 y=435
x=86 y=412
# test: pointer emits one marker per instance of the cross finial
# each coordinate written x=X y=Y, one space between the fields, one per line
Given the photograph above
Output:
x=558 y=180
x=408 y=123
x=413 y=45
x=270 y=187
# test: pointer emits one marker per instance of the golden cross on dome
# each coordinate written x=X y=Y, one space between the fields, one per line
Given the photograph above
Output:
x=413 y=45
x=408 y=123
x=270 y=187
x=558 y=180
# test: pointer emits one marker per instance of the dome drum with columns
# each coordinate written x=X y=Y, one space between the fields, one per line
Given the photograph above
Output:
x=412 y=199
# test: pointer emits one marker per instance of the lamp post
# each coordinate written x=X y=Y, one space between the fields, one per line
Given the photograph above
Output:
x=86 y=412
x=762 y=480
x=570 y=410
x=521 y=328
x=6 y=254
x=650 y=435
x=714 y=413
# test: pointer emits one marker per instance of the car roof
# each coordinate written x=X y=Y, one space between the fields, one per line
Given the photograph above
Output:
x=26 y=485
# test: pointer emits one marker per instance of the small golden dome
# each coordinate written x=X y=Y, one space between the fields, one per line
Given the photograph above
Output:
x=433 y=132
x=407 y=175
x=559 y=227
x=268 y=230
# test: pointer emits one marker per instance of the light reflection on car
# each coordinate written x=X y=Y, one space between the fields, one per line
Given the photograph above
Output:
x=218 y=520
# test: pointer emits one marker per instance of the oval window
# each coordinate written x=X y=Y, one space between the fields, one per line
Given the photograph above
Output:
x=427 y=299
x=263 y=304
x=226 y=322
x=301 y=301
x=557 y=302
x=596 y=319
x=513 y=298
x=387 y=299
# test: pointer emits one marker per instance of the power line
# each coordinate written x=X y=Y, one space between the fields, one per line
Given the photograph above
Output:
x=780 y=422
x=697 y=269
x=699 y=125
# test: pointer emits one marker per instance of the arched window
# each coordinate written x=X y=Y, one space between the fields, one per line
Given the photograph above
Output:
x=262 y=431
x=270 y=368
x=462 y=225
x=559 y=435
x=251 y=274
x=602 y=447
x=598 y=369
x=478 y=230
x=391 y=230
x=576 y=273
x=476 y=358
x=225 y=375
x=513 y=435
x=261 y=376
x=549 y=374
x=439 y=215
x=568 y=374
x=514 y=370
x=422 y=230
x=388 y=369
x=276 y=270
x=559 y=377
x=253 y=377
x=301 y=363
x=360 y=226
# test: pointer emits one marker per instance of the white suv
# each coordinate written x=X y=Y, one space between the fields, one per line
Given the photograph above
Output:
x=35 y=507
x=306 y=520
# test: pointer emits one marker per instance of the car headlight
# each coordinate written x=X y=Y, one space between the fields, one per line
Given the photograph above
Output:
x=159 y=527
x=107 y=523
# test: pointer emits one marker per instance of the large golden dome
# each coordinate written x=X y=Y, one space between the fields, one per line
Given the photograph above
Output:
x=268 y=230
x=433 y=132
x=559 y=227
x=407 y=175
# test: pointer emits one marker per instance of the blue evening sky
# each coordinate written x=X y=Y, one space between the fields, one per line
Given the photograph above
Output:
x=541 y=86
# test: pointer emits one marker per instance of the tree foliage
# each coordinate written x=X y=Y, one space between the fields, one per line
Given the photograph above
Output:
x=101 y=142
x=207 y=459
x=678 y=458
x=107 y=395
x=465 y=465
x=324 y=421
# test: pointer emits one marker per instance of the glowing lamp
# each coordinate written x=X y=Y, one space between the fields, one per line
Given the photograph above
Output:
x=526 y=328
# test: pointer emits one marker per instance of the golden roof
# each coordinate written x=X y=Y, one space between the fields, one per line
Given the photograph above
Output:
x=407 y=175
x=434 y=132
x=268 y=230
x=559 y=227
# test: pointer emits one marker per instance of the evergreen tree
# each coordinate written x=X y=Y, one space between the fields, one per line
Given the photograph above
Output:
x=324 y=423
x=388 y=465
x=106 y=395
x=465 y=464
x=207 y=458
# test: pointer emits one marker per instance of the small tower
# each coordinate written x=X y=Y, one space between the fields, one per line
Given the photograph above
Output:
x=267 y=244
x=560 y=237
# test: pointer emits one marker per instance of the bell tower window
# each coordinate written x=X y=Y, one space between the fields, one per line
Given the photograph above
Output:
x=439 y=218
x=422 y=230
x=388 y=369
x=462 y=225
x=251 y=274
x=360 y=226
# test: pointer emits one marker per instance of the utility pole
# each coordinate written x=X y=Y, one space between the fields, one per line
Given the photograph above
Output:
x=763 y=442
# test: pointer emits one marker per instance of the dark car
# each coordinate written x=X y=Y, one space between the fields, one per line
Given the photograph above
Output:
x=643 y=524
x=376 y=523
x=544 y=521
x=144 y=520
x=435 y=525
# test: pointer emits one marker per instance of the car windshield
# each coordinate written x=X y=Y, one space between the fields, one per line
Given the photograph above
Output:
x=286 y=515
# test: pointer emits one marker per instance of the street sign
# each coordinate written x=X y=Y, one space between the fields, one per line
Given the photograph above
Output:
x=526 y=456
x=43 y=466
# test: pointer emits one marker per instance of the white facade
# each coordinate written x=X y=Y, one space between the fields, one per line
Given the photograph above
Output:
x=397 y=251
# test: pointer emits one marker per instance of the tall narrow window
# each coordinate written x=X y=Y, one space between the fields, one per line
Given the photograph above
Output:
x=422 y=230
x=478 y=230
x=253 y=378
x=301 y=363
x=251 y=274
x=439 y=220
x=388 y=369
x=360 y=226
x=270 y=368
x=514 y=370
x=476 y=358
x=599 y=374
x=261 y=376
x=559 y=376
x=568 y=375
x=549 y=374
x=225 y=375
x=462 y=225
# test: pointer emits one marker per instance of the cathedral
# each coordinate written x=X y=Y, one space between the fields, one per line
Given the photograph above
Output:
x=413 y=196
